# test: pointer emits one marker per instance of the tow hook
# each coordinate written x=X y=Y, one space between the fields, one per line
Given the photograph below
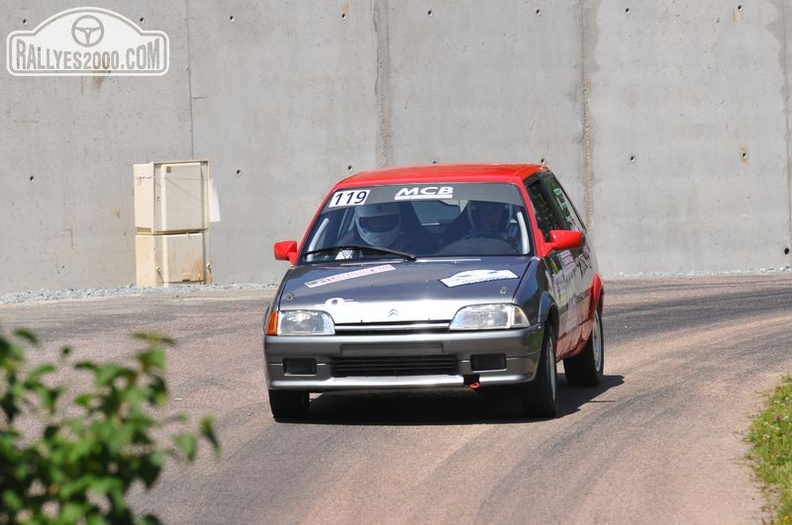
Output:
x=472 y=380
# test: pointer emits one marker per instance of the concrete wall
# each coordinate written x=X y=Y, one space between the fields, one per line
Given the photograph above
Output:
x=668 y=121
x=690 y=130
x=67 y=146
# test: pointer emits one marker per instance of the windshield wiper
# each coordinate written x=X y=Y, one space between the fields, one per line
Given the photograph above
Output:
x=375 y=249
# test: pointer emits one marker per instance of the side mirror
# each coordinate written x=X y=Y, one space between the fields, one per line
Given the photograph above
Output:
x=565 y=240
x=285 y=251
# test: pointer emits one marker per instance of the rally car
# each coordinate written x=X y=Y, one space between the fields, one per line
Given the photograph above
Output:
x=474 y=276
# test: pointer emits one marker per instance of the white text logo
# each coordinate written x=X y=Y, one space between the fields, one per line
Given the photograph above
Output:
x=87 y=41
x=427 y=192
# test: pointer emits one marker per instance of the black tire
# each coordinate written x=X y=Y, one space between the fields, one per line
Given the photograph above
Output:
x=288 y=404
x=539 y=398
x=586 y=368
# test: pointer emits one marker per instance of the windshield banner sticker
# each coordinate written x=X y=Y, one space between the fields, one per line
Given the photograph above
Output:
x=427 y=192
x=348 y=198
x=477 y=276
x=350 y=275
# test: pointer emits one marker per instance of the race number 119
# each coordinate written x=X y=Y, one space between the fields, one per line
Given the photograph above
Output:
x=348 y=198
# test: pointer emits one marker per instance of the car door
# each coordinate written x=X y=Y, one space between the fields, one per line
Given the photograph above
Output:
x=561 y=264
x=583 y=272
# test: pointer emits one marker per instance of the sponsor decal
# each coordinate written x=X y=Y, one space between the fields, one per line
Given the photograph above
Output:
x=336 y=301
x=350 y=275
x=477 y=276
x=348 y=198
x=87 y=41
x=425 y=192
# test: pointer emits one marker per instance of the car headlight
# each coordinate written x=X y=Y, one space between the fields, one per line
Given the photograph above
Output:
x=300 y=322
x=489 y=317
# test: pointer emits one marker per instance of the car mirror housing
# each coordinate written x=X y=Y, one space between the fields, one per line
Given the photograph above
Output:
x=565 y=240
x=285 y=251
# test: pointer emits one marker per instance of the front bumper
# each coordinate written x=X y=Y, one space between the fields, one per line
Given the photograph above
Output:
x=521 y=348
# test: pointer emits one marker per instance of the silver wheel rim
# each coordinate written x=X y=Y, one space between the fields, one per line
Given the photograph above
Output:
x=596 y=342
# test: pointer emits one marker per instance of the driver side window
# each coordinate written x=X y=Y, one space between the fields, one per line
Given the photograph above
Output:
x=545 y=217
x=564 y=205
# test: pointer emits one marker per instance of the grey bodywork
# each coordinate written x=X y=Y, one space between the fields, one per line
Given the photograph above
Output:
x=399 y=308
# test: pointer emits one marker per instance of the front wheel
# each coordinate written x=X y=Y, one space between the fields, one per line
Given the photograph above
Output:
x=539 y=398
x=586 y=368
x=288 y=404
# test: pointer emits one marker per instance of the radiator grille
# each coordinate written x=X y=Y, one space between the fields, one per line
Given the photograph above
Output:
x=428 y=327
x=421 y=365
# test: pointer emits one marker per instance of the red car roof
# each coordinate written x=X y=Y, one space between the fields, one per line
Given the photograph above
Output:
x=443 y=173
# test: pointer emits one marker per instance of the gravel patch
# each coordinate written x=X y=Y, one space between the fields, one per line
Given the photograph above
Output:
x=88 y=293
x=653 y=275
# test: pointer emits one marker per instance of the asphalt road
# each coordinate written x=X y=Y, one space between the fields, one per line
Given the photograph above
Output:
x=660 y=441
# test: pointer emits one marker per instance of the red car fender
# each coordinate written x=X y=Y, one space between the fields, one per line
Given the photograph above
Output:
x=597 y=295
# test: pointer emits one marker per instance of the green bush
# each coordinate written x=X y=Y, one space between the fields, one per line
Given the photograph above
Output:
x=88 y=446
x=770 y=437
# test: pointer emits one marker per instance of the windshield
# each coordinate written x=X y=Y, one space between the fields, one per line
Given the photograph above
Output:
x=420 y=220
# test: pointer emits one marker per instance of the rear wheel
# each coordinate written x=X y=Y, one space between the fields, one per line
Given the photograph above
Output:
x=586 y=368
x=540 y=397
x=288 y=404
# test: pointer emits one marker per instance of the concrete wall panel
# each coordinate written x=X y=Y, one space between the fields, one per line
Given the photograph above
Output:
x=68 y=145
x=688 y=136
x=668 y=122
x=284 y=104
x=494 y=83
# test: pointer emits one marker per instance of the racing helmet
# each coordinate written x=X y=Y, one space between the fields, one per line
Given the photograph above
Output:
x=378 y=224
x=489 y=216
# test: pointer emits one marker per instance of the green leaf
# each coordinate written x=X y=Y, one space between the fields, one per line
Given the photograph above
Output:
x=120 y=437
x=186 y=443
x=72 y=512
x=157 y=392
x=86 y=365
x=9 y=406
x=11 y=355
x=39 y=371
x=105 y=485
x=27 y=335
x=107 y=374
x=153 y=359
x=148 y=519
x=84 y=400
x=51 y=402
x=95 y=518
x=11 y=501
x=208 y=432
x=155 y=339
x=150 y=467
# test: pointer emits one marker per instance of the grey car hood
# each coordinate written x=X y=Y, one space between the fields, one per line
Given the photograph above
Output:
x=403 y=291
